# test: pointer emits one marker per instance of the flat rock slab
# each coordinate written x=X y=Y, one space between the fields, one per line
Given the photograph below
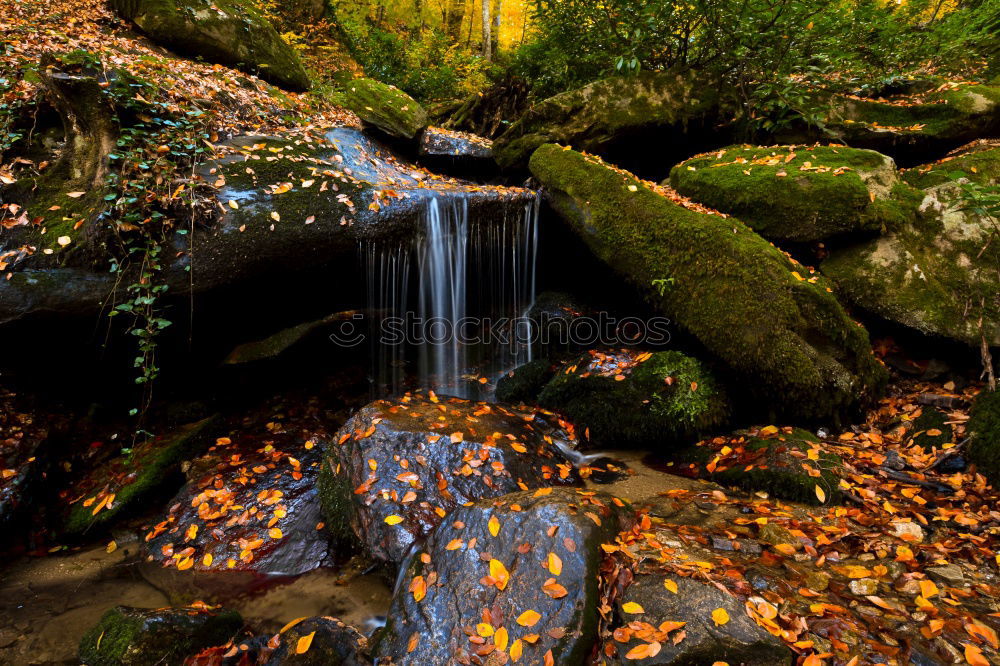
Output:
x=509 y=578
x=396 y=468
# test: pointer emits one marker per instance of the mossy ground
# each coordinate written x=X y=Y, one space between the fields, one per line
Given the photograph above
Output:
x=981 y=166
x=799 y=193
x=984 y=426
x=738 y=294
x=335 y=493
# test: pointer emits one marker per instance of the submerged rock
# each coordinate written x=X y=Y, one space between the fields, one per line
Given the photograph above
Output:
x=620 y=113
x=936 y=275
x=330 y=643
x=229 y=32
x=742 y=298
x=396 y=468
x=629 y=398
x=123 y=482
x=385 y=107
x=984 y=427
x=800 y=193
x=647 y=605
x=515 y=576
x=251 y=508
x=144 y=637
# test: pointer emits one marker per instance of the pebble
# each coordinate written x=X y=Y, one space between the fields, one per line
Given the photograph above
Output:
x=949 y=574
x=864 y=587
x=907 y=531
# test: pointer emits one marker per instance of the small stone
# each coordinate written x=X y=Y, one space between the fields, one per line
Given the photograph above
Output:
x=864 y=587
x=949 y=574
x=907 y=531
x=774 y=535
x=817 y=580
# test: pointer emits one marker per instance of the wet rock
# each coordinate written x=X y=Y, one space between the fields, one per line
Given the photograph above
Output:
x=22 y=436
x=925 y=274
x=948 y=574
x=143 y=637
x=734 y=291
x=864 y=586
x=774 y=535
x=385 y=107
x=800 y=193
x=676 y=112
x=907 y=531
x=525 y=382
x=984 y=427
x=332 y=643
x=513 y=575
x=396 y=468
x=458 y=153
x=252 y=510
x=274 y=346
x=737 y=641
x=125 y=481
x=229 y=32
x=632 y=399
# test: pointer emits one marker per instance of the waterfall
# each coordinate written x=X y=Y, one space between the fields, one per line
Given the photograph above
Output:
x=474 y=281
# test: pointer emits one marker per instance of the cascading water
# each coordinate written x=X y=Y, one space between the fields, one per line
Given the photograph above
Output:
x=475 y=281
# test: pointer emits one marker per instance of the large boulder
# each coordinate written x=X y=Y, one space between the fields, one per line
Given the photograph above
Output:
x=123 y=482
x=984 y=428
x=747 y=302
x=515 y=575
x=229 y=32
x=251 y=510
x=143 y=637
x=397 y=467
x=633 y=399
x=382 y=106
x=936 y=275
x=979 y=165
x=654 y=112
x=320 y=641
x=914 y=130
x=800 y=193
x=680 y=623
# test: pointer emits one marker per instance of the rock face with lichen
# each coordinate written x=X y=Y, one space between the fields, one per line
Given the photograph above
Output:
x=937 y=274
x=626 y=398
x=516 y=575
x=396 y=468
x=141 y=637
x=229 y=32
x=606 y=113
x=382 y=106
x=800 y=193
x=740 y=296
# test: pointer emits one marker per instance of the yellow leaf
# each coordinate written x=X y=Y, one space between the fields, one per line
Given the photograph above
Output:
x=515 y=650
x=112 y=547
x=233 y=204
x=528 y=618
x=928 y=588
x=499 y=573
x=207 y=560
x=484 y=629
x=275 y=533
x=276 y=216
x=670 y=585
x=720 y=616
x=500 y=639
x=494 y=525
x=632 y=607
x=820 y=494
x=555 y=564
x=304 y=643
x=393 y=520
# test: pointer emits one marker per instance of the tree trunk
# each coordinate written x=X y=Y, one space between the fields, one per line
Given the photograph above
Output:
x=497 y=11
x=487 y=40
x=456 y=14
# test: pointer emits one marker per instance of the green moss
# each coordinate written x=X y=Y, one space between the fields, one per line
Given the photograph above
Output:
x=335 y=494
x=524 y=383
x=984 y=426
x=982 y=166
x=386 y=107
x=140 y=637
x=931 y=420
x=661 y=401
x=133 y=476
x=798 y=193
x=731 y=289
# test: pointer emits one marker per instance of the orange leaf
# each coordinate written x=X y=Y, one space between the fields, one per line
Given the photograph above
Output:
x=720 y=616
x=304 y=643
x=528 y=618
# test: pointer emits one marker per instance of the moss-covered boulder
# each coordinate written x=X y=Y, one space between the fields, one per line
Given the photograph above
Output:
x=525 y=382
x=676 y=109
x=984 y=427
x=382 y=106
x=799 y=193
x=229 y=32
x=628 y=398
x=518 y=574
x=937 y=275
x=981 y=166
x=121 y=483
x=930 y=429
x=787 y=463
x=144 y=637
x=911 y=131
x=747 y=302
